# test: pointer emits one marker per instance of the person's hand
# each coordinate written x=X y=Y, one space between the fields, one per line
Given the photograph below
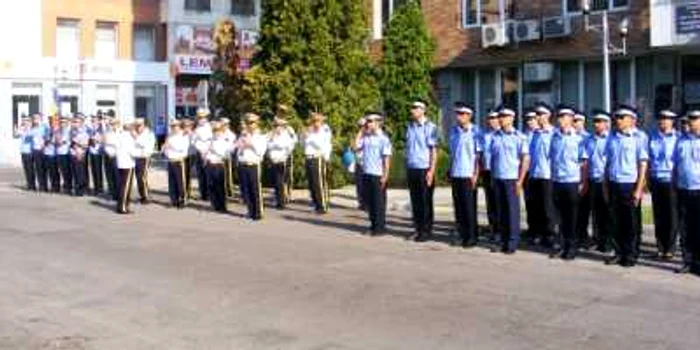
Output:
x=472 y=183
x=429 y=177
x=383 y=181
x=518 y=189
x=637 y=197
x=583 y=188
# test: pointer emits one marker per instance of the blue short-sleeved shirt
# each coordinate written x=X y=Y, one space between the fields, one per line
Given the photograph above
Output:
x=686 y=158
x=507 y=149
x=374 y=147
x=25 y=142
x=565 y=153
x=661 y=147
x=594 y=148
x=485 y=138
x=540 y=165
x=63 y=148
x=421 y=138
x=464 y=149
x=624 y=152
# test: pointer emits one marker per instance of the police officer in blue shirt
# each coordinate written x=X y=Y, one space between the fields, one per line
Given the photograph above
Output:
x=50 y=163
x=22 y=132
x=375 y=147
x=421 y=161
x=80 y=140
x=96 y=153
x=686 y=177
x=541 y=215
x=465 y=150
x=568 y=177
x=63 y=143
x=662 y=143
x=485 y=138
x=509 y=163
x=38 y=134
x=593 y=154
x=529 y=129
x=584 y=206
x=626 y=175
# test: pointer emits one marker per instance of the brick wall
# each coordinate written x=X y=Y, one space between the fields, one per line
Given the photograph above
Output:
x=459 y=47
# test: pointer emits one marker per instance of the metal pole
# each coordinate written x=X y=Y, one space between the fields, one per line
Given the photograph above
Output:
x=606 y=62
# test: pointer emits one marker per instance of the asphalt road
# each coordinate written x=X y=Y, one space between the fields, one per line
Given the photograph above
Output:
x=73 y=275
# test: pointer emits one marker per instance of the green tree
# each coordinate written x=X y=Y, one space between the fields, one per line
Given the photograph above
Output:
x=406 y=67
x=313 y=57
x=227 y=82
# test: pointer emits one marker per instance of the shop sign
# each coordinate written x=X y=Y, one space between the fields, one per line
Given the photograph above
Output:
x=688 y=19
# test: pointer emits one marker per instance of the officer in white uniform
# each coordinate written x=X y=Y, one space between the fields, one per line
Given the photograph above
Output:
x=125 y=151
x=201 y=140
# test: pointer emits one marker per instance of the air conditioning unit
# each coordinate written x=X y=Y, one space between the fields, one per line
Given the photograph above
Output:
x=556 y=27
x=533 y=99
x=538 y=72
x=526 y=30
x=495 y=34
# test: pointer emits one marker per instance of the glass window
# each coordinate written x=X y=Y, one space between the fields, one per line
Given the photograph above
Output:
x=198 y=5
x=487 y=91
x=243 y=7
x=68 y=39
x=106 y=41
x=596 y=5
x=594 y=86
x=388 y=8
x=569 y=83
x=478 y=12
x=144 y=43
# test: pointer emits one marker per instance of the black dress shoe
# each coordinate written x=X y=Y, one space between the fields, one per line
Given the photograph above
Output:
x=614 y=260
x=422 y=237
x=686 y=268
x=509 y=251
x=628 y=263
x=469 y=243
x=569 y=255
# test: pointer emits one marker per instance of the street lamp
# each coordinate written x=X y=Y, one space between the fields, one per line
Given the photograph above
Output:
x=608 y=47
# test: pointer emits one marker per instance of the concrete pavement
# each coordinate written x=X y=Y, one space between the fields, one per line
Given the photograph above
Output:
x=76 y=276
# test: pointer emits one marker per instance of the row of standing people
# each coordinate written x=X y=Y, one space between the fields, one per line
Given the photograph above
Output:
x=565 y=174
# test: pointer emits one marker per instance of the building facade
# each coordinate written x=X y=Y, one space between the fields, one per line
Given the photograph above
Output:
x=190 y=47
x=493 y=52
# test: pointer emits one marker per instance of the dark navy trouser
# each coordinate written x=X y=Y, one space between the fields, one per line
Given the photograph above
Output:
x=508 y=212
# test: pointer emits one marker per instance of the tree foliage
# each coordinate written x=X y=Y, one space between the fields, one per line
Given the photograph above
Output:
x=229 y=95
x=313 y=57
x=406 y=67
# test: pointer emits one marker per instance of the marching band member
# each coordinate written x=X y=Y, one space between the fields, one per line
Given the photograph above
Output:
x=662 y=143
x=201 y=140
x=251 y=147
x=63 y=140
x=465 y=150
x=145 y=141
x=509 y=163
x=219 y=150
x=421 y=162
x=191 y=160
x=176 y=148
x=38 y=135
x=279 y=148
x=125 y=163
x=317 y=149
x=110 y=143
x=628 y=157
x=80 y=140
x=231 y=138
